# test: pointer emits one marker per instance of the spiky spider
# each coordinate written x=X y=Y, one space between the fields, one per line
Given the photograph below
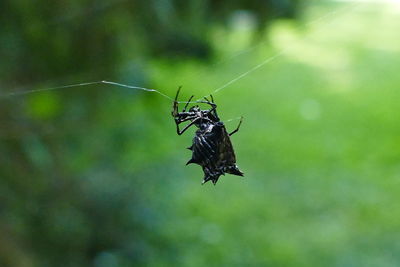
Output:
x=211 y=148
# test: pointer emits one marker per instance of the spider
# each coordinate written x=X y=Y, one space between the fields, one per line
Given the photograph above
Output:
x=211 y=147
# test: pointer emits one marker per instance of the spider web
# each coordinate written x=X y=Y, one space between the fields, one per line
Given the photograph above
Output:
x=267 y=60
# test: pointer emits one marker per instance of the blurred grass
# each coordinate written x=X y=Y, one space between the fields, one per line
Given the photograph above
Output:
x=319 y=147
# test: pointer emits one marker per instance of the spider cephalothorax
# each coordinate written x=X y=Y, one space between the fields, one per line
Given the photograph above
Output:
x=211 y=148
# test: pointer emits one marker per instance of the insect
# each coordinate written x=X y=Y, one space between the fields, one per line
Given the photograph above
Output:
x=211 y=147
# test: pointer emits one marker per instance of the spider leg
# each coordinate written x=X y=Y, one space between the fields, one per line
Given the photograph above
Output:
x=177 y=93
x=213 y=109
x=180 y=132
x=237 y=128
x=187 y=103
x=184 y=116
x=213 y=105
x=175 y=105
x=212 y=99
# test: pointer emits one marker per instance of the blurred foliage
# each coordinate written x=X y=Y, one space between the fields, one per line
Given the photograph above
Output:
x=53 y=39
x=95 y=175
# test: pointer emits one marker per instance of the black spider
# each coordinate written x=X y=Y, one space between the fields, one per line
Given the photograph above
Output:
x=212 y=148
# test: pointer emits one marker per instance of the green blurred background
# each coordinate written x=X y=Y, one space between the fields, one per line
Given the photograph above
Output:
x=96 y=176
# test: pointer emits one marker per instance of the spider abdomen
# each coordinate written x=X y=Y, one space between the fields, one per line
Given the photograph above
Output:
x=212 y=149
